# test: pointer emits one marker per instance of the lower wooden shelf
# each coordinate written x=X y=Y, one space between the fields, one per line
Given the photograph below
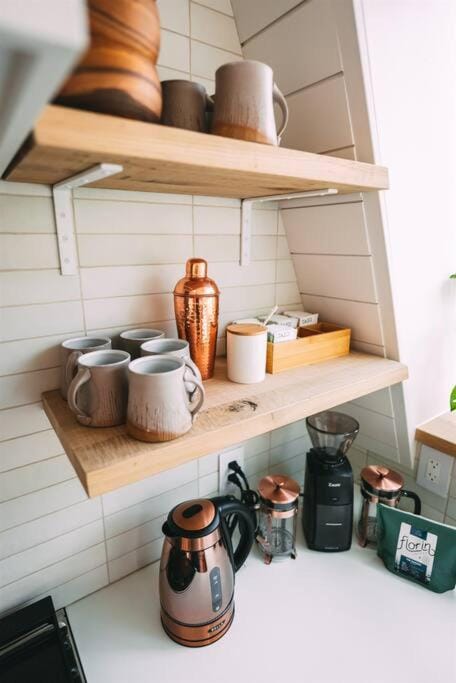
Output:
x=439 y=433
x=106 y=459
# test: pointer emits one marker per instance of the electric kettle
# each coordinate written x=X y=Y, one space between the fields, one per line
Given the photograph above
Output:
x=197 y=567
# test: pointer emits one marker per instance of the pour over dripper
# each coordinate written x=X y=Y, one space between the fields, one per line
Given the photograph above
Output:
x=332 y=432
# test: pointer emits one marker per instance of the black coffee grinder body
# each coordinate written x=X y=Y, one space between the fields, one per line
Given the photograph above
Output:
x=328 y=502
x=328 y=487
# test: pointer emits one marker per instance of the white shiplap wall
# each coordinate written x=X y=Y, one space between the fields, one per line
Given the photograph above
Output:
x=132 y=248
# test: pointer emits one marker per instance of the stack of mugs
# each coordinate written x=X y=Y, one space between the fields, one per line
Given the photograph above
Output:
x=150 y=383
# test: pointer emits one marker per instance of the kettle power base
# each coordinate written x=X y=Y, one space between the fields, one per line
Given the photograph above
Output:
x=198 y=636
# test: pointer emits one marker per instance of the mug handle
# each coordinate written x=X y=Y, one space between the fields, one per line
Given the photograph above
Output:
x=81 y=378
x=70 y=366
x=278 y=97
x=198 y=385
x=210 y=102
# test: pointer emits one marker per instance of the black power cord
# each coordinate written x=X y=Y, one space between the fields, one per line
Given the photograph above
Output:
x=248 y=496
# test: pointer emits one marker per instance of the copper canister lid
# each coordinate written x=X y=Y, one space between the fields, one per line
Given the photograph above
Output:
x=194 y=515
x=381 y=479
x=278 y=489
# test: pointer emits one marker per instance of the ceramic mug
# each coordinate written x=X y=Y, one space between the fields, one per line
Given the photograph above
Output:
x=180 y=348
x=245 y=94
x=185 y=105
x=159 y=406
x=99 y=392
x=131 y=340
x=71 y=350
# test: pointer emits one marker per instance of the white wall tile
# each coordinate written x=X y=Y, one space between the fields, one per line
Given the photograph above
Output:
x=254 y=15
x=290 y=449
x=132 y=218
x=378 y=401
x=174 y=15
x=28 y=449
x=134 y=538
x=111 y=250
x=166 y=74
x=131 y=195
x=206 y=59
x=147 y=488
x=28 y=251
x=15 y=422
x=207 y=484
x=7 y=187
x=332 y=229
x=257 y=463
x=208 y=464
x=256 y=445
x=282 y=247
x=46 y=579
x=40 y=320
x=219 y=5
x=16 y=390
x=129 y=280
x=217 y=247
x=37 y=287
x=39 y=503
x=264 y=247
x=77 y=588
x=352 y=277
x=214 y=28
x=45 y=554
x=128 y=310
x=285 y=271
x=264 y=222
x=32 y=354
x=256 y=296
x=258 y=272
x=151 y=508
x=135 y=560
x=206 y=200
x=216 y=220
x=26 y=214
x=287 y=294
x=48 y=527
x=39 y=475
x=288 y=433
x=174 y=51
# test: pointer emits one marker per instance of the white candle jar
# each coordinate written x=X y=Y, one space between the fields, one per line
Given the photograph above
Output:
x=246 y=353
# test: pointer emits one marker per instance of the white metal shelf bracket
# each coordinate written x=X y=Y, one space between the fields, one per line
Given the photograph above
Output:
x=62 y=193
x=246 y=215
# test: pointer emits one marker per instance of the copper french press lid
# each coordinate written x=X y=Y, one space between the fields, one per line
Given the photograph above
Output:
x=381 y=481
x=277 y=489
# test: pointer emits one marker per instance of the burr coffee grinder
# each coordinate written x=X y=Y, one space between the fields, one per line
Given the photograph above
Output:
x=276 y=535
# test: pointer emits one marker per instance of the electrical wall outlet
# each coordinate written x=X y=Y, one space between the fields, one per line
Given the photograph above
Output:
x=225 y=486
x=434 y=471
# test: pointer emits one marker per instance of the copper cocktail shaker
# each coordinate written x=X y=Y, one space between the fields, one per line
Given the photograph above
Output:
x=196 y=305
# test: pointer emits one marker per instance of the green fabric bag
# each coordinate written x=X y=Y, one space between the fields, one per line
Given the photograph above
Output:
x=417 y=548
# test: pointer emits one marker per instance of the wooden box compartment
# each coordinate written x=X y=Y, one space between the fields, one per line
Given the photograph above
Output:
x=315 y=343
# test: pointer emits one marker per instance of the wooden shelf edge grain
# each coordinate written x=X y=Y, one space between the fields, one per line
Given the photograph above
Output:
x=106 y=459
x=162 y=159
x=439 y=433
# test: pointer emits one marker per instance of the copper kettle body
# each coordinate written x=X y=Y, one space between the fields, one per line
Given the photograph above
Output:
x=197 y=568
x=196 y=307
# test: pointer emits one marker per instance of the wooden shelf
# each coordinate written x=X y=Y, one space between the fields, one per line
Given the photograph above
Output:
x=161 y=159
x=439 y=433
x=106 y=459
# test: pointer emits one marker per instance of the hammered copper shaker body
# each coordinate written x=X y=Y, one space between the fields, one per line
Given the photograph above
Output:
x=196 y=306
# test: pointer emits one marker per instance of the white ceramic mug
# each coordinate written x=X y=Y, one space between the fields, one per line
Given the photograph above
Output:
x=71 y=350
x=159 y=406
x=131 y=340
x=99 y=392
x=180 y=348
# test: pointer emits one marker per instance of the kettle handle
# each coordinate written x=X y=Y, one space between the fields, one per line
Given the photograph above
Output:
x=416 y=499
x=229 y=505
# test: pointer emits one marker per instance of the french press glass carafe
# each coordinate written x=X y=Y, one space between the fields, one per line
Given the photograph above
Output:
x=279 y=497
x=380 y=485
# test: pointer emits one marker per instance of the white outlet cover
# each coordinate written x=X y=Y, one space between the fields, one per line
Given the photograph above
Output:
x=237 y=453
x=425 y=467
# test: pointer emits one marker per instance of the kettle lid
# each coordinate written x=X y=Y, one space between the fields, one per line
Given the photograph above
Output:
x=381 y=480
x=193 y=516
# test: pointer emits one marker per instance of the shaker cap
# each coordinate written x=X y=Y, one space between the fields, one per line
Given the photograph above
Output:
x=381 y=480
x=278 y=489
x=196 y=267
x=196 y=282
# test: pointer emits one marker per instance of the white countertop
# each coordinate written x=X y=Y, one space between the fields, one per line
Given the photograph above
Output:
x=322 y=618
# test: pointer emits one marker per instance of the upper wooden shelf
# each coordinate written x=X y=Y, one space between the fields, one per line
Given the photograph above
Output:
x=108 y=458
x=439 y=433
x=161 y=159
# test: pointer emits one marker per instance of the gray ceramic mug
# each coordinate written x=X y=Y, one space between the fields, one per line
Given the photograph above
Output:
x=180 y=348
x=98 y=394
x=131 y=340
x=159 y=405
x=71 y=350
x=185 y=105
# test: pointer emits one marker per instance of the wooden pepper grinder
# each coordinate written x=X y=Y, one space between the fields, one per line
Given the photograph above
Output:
x=196 y=306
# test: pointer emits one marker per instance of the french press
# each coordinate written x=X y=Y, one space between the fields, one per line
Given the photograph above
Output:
x=279 y=498
x=380 y=485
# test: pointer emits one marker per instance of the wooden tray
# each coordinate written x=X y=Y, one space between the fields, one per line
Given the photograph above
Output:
x=315 y=343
